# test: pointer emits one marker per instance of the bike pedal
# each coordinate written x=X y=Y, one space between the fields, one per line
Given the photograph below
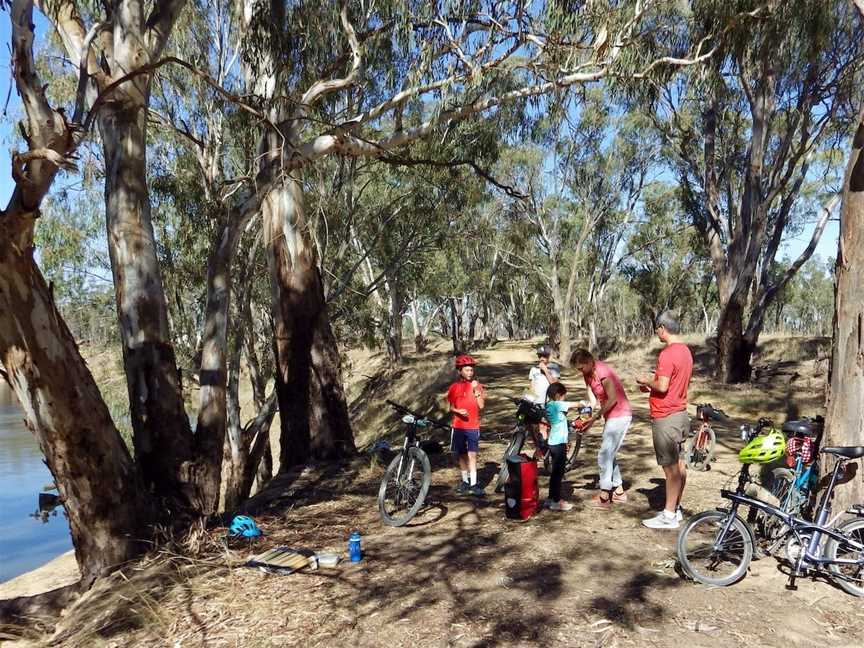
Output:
x=792 y=587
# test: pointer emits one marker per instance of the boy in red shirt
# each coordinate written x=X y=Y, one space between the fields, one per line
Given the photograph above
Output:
x=466 y=398
x=667 y=402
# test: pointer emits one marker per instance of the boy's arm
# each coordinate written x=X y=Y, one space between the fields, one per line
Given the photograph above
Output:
x=479 y=394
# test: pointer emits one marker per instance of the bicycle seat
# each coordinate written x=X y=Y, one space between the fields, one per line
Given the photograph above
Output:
x=803 y=427
x=849 y=452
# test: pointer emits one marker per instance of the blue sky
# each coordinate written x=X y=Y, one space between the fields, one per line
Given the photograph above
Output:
x=9 y=139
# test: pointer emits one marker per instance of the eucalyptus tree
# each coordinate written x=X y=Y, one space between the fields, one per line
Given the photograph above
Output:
x=104 y=491
x=746 y=135
x=577 y=211
x=407 y=71
x=844 y=419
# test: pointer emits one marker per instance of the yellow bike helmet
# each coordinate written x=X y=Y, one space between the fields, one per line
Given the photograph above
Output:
x=764 y=448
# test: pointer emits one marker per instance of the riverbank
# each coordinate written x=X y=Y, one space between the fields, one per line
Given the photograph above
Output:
x=58 y=572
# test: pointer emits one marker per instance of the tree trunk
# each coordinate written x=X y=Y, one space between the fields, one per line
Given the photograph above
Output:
x=393 y=327
x=108 y=511
x=303 y=338
x=564 y=347
x=734 y=352
x=844 y=421
x=455 y=327
x=162 y=434
x=213 y=412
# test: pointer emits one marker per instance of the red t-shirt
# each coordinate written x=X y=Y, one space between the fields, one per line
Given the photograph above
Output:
x=675 y=362
x=602 y=371
x=461 y=396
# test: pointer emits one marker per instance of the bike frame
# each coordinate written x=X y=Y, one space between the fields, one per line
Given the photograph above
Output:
x=702 y=434
x=812 y=554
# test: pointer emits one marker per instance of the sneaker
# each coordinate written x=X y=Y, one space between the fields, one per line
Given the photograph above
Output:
x=599 y=502
x=462 y=488
x=661 y=521
x=619 y=497
x=477 y=491
x=561 y=506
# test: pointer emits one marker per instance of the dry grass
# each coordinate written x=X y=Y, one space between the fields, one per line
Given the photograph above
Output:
x=463 y=575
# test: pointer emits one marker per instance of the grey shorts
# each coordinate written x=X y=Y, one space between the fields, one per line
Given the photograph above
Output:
x=668 y=433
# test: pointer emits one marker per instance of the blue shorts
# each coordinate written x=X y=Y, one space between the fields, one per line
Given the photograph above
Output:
x=462 y=441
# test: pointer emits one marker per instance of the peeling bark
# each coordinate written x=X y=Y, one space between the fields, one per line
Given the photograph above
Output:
x=108 y=511
x=162 y=434
x=844 y=420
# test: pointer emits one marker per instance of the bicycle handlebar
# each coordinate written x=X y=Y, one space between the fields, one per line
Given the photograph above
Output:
x=417 y=415
x=706 y=411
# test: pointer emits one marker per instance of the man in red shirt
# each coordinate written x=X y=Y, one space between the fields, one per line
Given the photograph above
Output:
x=466 y=398
x=667 y=402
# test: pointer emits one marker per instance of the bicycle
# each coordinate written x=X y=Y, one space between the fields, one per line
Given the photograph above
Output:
x=700 y=443
x=793 y=489
x=529 y=413
x=724 y=541
x=406 y=481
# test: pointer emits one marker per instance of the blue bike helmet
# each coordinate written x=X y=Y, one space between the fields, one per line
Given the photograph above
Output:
x=243 y=526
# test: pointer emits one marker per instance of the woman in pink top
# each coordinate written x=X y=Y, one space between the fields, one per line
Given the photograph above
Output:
x=605 y=389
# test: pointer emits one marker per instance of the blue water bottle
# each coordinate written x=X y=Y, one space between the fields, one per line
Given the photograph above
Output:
x=354 y=549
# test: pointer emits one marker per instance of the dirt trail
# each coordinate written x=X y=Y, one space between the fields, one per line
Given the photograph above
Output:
x=463 y=575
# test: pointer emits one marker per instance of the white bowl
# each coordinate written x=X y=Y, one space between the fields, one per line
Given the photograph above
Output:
x=328 y=559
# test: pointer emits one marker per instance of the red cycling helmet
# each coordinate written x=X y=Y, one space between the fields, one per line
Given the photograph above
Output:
x=464 y=360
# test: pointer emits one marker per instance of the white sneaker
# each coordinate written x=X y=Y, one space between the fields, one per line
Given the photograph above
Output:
x=679 y=515
x=662 y=521
x=561 y=506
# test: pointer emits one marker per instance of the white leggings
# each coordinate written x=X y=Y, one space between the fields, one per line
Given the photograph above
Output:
x=613 y=436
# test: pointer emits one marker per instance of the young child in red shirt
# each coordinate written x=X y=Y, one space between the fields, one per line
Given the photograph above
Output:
x=466 y=397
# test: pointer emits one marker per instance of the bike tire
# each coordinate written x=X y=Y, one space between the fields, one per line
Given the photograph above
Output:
x=408 y=492
x=770 y=530
x=838 y=549
x=700 y=458
x=738 y=545
x=517 y=440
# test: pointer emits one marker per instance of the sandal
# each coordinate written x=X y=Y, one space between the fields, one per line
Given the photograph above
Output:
x=619 y=497
x=599 y=502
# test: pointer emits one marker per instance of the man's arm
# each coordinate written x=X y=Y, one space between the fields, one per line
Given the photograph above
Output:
x=657 y=385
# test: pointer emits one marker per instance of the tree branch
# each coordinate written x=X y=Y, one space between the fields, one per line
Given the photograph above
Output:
x=322 y=88
x=486 y=175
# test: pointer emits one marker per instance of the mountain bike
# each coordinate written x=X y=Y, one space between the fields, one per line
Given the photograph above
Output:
x=700 y=442
x=792 y=489
x=530 y=414
x=716 y=547
x=406 y=481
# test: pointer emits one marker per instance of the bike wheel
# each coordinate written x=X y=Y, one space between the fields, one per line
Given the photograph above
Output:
x=699 y=449
x=702 y=562
x=771 y=532
x=404 y=487
x=849 y=577
x=575 y=446
x=517 y=440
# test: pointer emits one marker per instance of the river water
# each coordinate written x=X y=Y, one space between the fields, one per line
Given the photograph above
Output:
x=25 y=541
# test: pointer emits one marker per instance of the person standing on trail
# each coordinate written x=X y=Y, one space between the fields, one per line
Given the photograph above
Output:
x=543 y=374
x=559 y=433
x=667 y=402
x=605 y=389
x=466 y=398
